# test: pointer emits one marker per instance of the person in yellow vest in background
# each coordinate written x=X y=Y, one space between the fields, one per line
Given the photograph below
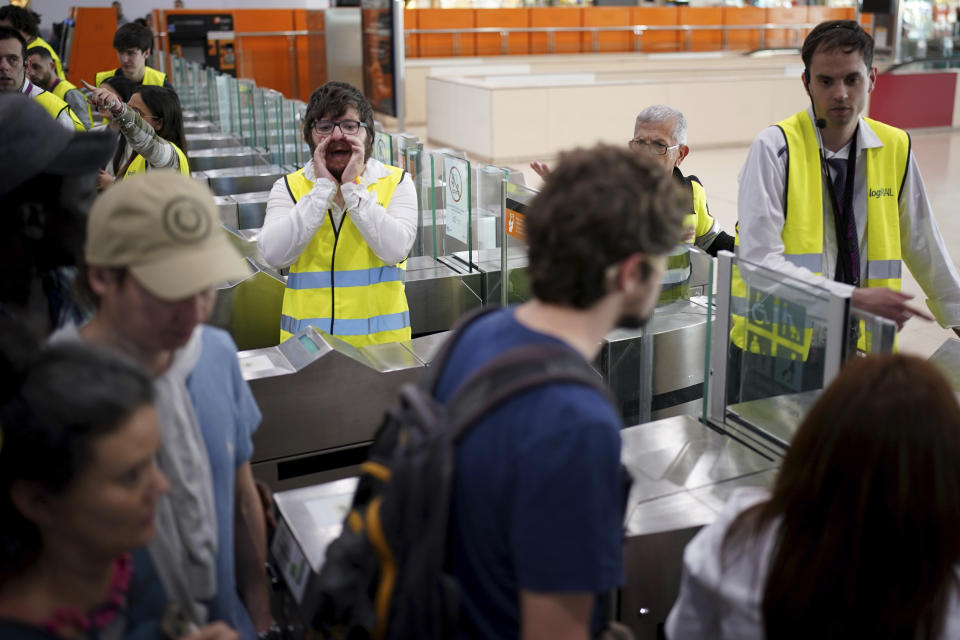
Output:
x=835 y=199
x=660 y=132
x=344 y=224
x=151 y=131
x=134 y=43
x=43 y=73
x=13 y=79
x=28 y=24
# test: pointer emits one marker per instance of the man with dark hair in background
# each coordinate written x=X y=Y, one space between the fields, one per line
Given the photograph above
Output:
x=47 y=183
x=42 y=72
x=13 y=79
x=836 y=199
x=134 y=44
x=536 y=511
x=28 y=24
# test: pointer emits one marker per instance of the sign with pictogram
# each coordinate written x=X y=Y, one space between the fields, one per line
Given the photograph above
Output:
x=516 y=225
x=457 y=173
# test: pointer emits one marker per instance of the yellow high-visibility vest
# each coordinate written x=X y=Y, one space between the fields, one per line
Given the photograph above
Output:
x=55 y=106
x=886 y=169
x=139 y=164
x=699 y=219
x=150 y=76
x=339 y=285
x=60 y=90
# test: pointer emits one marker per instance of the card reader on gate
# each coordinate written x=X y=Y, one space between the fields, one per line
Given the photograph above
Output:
x=309 y=519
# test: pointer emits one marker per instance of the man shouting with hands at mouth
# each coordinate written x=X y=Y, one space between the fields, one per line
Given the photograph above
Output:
x=344 y=224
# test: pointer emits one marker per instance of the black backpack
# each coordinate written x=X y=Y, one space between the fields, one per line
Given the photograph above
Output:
x=384 y=576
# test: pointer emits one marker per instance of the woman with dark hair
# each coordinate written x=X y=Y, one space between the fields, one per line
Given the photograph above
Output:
x=860 y=535
x=151 y=127
x=78 y=490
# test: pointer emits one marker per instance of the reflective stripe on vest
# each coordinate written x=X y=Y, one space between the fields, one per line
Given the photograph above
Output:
x=150 y=76
x=54 y=106
x=139 y=164
x=802 y=232
x=339 y=285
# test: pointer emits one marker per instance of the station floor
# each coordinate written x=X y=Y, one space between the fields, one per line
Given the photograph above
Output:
x=937 y=152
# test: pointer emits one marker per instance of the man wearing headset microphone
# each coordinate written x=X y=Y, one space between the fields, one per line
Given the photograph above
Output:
x=835 y=199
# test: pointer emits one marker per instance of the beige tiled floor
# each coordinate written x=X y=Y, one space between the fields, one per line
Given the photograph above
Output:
x=938 y=153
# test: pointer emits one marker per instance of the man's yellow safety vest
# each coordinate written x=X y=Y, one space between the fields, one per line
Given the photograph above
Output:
x=55 y=106
x=139 y=164
x=802 y=234
x=60 y=90
x=150 y=76
x=699 y=219
x=40 y=42
x=339 y=285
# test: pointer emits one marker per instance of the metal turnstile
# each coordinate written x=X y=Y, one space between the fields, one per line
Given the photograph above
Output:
x=206 y=159
x=683 y=473
x=248 y=179
x=322 y=400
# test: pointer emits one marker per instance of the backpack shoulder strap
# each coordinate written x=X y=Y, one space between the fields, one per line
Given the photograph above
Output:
x=512 y=372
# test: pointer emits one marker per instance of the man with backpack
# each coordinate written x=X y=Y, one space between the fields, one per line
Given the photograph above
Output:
x=535 y=529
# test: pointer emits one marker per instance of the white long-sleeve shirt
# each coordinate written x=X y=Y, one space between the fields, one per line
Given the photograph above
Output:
x=760 y=206
x=288 y=227
x=721 y=595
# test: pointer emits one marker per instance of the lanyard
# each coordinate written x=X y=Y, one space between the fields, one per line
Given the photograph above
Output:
x=848 y=248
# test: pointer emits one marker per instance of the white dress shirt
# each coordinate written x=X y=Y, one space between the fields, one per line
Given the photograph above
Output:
x=32 y=90
x=760 y=222
x=721 y=595
x=289 y=227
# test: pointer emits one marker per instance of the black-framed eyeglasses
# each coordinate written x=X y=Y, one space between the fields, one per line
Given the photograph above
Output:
x=347 y=127
x=653 y=148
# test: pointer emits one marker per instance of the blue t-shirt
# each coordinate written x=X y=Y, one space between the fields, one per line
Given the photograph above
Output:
x=536 y=501
x=228 y=415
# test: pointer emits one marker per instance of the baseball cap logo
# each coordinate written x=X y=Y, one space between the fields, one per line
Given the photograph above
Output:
x=185 y=220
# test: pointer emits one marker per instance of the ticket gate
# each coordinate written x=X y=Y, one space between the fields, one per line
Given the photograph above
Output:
x=683 y=473
x=247 y=179
x=206 y=159
x=197 y=141
x=322 y=400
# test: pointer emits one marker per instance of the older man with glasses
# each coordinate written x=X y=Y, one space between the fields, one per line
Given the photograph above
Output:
x=661 y=132
x=344 y=224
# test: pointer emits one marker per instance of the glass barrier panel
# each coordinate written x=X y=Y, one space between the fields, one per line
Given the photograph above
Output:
x=457 y=209
x=303 y=149
x=519 y=198
x=777 y=349
x=400 y=143
x=869 y=333
x=259 y=118
x=488 y=217
x=413 y=165
x=245 y=95
x=213 y=108
x=291 y=135
x=709 y=311
x=273 y=106
x=383 y=147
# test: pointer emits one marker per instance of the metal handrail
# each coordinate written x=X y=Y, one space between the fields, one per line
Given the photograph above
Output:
x=637 y=30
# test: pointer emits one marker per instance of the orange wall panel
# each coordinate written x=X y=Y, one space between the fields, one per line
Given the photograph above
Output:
x=434 y=45
x=655 y=41
x=743 y=38
x=311 y=52
x=92 y=48
x=608 y=40
x=563 y=42
x=410 y=22
x=702 y=40
x=270 y=60
x=490 y=44
x=786 y=37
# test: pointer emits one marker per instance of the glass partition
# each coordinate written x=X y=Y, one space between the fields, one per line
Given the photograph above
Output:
x=514 y=238
x=303 y=149
x=413 y=164
x=259 y=118
x=273 y=105
x=383 y=147
x=775 y=342
x=245 y=107
x=457 y=239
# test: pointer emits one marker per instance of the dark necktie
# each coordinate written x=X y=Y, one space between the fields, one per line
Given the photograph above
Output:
x=848 y=245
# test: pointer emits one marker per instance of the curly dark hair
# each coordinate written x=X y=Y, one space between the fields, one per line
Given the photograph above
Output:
x=332 y=100
x=598 y=206
x=846 y=35
x=21 y=19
